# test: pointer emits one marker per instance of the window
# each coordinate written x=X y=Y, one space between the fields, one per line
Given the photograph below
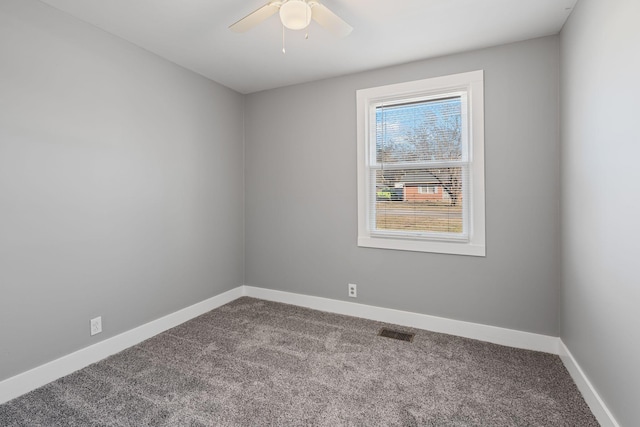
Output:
x=427 y=190
x=421 y=165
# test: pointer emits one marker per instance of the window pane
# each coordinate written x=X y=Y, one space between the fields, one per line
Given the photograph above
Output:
x=419 y=131
x=428 y=200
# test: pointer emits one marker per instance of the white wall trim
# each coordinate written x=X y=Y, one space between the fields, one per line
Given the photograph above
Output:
x=65 y=365
x=591 y=396
x=493 y=334
x=44 y=374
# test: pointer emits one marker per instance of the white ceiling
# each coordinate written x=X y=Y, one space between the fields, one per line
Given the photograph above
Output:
x=195 y=34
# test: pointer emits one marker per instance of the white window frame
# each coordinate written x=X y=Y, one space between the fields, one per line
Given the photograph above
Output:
x=472 y=84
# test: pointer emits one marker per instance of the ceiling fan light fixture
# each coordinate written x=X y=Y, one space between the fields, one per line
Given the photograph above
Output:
x=295 y=14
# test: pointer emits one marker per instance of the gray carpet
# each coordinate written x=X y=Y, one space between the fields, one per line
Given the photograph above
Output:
x=254 y=362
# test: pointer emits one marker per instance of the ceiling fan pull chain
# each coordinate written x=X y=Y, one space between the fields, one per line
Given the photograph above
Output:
x=306 y=15
x=283 y=49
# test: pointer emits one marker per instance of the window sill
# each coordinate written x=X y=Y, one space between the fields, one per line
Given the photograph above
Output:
x=454 y=248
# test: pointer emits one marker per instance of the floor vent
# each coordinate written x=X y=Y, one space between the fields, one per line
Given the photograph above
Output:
x=396 y=335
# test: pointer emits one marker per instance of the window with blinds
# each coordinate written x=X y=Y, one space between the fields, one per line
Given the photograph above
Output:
x=420 y=166
x=420 y=171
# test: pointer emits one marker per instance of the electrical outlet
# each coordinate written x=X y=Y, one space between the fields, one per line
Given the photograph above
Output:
x=96 y=325
x=353 y=291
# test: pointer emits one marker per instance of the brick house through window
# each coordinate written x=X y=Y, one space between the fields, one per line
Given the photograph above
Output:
x=424 y=191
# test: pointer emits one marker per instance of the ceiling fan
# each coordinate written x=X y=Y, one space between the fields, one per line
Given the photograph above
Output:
x=295 y=15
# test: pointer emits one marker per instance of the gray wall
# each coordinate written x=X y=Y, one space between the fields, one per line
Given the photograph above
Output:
x=121 y=186
x=300 y=196
x=601 y=199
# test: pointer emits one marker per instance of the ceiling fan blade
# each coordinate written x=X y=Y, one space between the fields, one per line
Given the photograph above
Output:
x=255 y=17
x=329 y=20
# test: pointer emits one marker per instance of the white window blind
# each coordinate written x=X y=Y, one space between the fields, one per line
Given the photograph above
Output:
x=419 y=169
x=421 y=165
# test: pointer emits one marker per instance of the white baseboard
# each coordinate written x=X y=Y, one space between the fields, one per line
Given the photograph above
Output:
x=493 y=334
x=44 y=374
x=591 y=396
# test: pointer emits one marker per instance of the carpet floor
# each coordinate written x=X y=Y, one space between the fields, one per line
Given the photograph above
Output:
x=259 y=363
